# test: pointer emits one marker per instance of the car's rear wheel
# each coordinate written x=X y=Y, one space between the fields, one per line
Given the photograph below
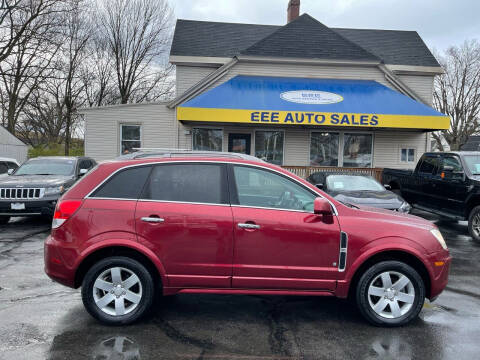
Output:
x=474 y=223
x=4 y=220
x=390 y=293
x=118 y=290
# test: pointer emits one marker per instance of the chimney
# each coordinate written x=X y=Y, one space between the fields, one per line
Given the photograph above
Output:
x=293 y=10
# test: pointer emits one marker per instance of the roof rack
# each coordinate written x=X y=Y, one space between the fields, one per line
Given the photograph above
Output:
x=141 y=153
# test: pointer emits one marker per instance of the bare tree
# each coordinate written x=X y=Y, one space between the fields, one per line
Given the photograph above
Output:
x=137 y=34
x=457 y=94
x=28 y=64
x=19 y=21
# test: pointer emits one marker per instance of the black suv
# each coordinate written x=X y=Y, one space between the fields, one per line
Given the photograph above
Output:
x=34 y=188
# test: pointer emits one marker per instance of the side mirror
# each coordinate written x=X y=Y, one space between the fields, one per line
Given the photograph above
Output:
x=10 y=171
x=321 y=206
x=320 y=186
x=388 y=187
x=82 y=172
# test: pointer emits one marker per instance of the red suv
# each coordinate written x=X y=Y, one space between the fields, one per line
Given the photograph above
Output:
x=228 y=224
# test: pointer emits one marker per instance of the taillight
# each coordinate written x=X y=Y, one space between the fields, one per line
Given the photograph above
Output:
x=64 y=210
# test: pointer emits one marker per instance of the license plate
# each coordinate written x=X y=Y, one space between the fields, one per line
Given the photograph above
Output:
x=17 y=206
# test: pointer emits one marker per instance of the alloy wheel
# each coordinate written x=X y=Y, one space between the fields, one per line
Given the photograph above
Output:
x=117 y=291
x=391 y=294
x=476 y=224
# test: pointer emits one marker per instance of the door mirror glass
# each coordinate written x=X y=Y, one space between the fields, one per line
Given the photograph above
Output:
x=321 y=206
x=83 y=172
x=319 y=185
x=10 y=171
x=388 y=187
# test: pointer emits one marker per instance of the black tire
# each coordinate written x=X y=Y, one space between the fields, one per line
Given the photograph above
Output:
x=4 y=220
x=474 y=234
x=131 y=265
x=362 y=297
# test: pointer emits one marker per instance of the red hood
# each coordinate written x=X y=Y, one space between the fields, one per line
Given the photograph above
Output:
x=396 y=217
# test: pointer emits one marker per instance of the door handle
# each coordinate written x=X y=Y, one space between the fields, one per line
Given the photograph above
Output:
x=248 y=226
x=152 y=219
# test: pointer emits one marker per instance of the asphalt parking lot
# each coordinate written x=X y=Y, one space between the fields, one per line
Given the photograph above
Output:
x=43 y=320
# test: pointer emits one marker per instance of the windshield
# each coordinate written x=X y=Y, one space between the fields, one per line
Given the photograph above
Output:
x=46 y=167
x=473 y=163
x=352 y=183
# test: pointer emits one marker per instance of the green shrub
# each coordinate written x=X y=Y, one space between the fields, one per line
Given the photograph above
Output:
x=76 y=149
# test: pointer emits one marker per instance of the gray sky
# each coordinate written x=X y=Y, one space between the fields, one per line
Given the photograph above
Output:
x=440 y=23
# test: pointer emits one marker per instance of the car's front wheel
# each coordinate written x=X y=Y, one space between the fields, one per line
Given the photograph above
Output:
x=474 y=223
x=390 y=293
x=118 y=290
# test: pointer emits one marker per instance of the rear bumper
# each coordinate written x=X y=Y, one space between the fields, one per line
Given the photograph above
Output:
x=55 y=266
x=44 y=207
x=441 y=267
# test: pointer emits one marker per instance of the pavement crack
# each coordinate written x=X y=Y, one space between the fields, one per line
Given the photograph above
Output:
x=62 y=293
x=277 y=339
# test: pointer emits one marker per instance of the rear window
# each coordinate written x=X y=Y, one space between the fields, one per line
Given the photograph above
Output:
x=196 y=183
x=126 y=184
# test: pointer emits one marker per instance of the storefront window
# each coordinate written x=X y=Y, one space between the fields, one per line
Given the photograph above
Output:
x=269 y=146
x=207 y=139
x=324 y=149
x=357 y=150
x=130 y=138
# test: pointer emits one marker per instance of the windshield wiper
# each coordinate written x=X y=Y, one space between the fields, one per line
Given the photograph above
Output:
x=350 y=205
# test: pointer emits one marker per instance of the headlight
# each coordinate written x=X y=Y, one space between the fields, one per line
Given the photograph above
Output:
x=54 y=190
x=438 y=235
x=405 y=207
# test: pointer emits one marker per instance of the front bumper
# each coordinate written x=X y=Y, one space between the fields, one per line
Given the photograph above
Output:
x=441 y=267
x=44 y=206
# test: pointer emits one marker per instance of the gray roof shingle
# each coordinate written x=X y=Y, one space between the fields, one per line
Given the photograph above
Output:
x=316 y=42
x=393 y=46
x=219 y=39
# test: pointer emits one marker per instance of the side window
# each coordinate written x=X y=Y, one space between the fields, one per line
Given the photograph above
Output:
x=428 y=165
x=262 y=188
x=3 y=167
x=194 y=183
x=12 y=165
x=85 y=164
x=126 y=184
x=451 y=168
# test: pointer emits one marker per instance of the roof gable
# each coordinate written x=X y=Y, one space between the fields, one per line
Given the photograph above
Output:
x=220 y=39
x=317 y=42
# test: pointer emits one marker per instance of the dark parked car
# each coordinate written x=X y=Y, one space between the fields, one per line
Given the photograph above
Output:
x=358 y=189
x=34 y=188
x=447 y=184
x=227 y=224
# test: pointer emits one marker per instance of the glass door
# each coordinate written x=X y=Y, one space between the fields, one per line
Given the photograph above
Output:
x=239 y=143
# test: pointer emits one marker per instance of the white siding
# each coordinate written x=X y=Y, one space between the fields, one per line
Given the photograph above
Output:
x=11 y=147
x=102 y=129
x=187 y=76
x=307 y=71
x=421 y=85
x=386 y=144
x=387 y=147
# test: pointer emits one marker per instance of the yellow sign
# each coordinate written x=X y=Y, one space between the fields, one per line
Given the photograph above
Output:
x=263 y=117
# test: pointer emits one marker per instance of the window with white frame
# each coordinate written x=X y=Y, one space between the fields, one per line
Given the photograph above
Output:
x=206 y=139
x=269 y=146
x=324 y=149
x=341 y=149
x=130 y=137
x=407 y=155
